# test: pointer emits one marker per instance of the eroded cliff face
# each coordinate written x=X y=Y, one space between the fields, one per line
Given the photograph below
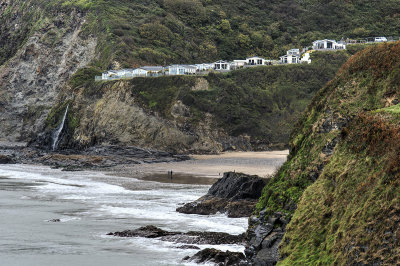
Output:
x=111 y=114
x=33 y=77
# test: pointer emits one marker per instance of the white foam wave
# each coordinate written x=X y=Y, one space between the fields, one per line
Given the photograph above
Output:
x=178 y=221
x=134 y=202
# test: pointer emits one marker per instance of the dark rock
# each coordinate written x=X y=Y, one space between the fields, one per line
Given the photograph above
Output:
x=218 y=257
x=329 y=147
x=333 y=122
x=149 y=231
x=235 y=194
x=263 y=238
x=54 y=220
x=4 y=159
x=190 y=238
x=188 y=247
x=216 y=238
x=91 y=158
x=236 y=186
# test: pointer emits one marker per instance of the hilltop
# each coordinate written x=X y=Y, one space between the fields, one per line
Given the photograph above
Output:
x=336 y=198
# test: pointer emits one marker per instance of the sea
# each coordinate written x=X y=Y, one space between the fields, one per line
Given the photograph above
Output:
x=91 y=204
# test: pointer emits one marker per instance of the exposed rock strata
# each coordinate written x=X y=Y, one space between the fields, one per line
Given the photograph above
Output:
x=94 y=157
x=31 y=80
x=235 y=194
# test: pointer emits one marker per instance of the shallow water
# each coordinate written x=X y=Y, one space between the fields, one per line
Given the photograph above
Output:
x=91 y=204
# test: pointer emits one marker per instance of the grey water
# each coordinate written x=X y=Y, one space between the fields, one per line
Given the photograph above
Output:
x=89 y=205
x=58 y=131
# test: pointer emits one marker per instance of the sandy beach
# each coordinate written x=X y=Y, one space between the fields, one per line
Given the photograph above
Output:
x=205 y=169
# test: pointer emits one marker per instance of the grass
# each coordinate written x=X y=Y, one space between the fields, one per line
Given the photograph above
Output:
x=395 y=109
x=355 y=193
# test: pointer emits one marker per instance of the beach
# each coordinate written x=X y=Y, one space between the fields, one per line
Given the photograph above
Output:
x=205 y=169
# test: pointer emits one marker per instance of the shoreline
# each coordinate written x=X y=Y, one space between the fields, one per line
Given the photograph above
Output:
x=148 y=164
x=204 y=169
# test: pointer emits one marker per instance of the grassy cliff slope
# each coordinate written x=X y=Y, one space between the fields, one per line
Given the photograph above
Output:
x=340 y=182
x=351 y=214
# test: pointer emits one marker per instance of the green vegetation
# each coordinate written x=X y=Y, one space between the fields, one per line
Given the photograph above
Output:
x=172 y=31
x=355 y=187
x=84 y=77
x=395 y=109
x=56 y=114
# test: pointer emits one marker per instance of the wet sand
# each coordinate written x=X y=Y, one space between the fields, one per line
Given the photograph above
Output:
x=206 y=169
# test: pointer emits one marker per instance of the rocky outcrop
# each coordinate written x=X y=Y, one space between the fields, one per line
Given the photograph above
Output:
x=189 y=238
x=33 y=77
x=93 y=157
x=218 y=257
x=235 y=194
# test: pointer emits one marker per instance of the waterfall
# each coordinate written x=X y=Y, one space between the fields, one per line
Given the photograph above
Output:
x=57 y=133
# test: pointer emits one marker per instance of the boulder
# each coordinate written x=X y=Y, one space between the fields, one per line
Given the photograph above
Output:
x=149 y=231
x=235 y=194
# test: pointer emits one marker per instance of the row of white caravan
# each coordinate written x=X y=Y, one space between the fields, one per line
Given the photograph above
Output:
x=155 y=71
x=293 y=56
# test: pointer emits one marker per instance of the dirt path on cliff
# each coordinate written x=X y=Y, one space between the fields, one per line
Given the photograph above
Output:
x=206 y=169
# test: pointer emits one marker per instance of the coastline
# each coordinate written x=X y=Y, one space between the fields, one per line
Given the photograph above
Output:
x=147 y=164
x=204 y=169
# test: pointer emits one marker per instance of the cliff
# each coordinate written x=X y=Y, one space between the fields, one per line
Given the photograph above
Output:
x=40 y=50
x=336 y=198
x=249 y=109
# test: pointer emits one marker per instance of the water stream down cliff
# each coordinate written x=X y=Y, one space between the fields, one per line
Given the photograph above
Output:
x=56 y=134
